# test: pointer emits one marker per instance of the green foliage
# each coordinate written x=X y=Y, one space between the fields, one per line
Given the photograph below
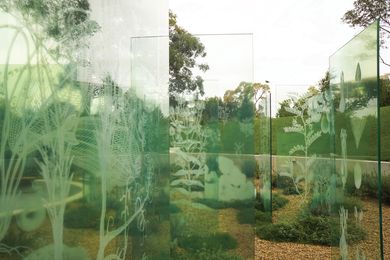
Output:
x=324 y=83
x=245 y=99
x=184 y=49
x=173 y=208
x=262 y=217
x=296 y=103
x=216 y=204
x=280 y=232
x=83 y=217
x=348 y=203
x=249 y=168
x=309 y=229
x=63 y=21
x=211 y=242
x=246 y=216
x=287 y=185
x=280 y=141
x=211 y=110
x=246 y=111
x=367 y=11
x=278 y=202
x=369 y=187
x=283 y=109
x=232 y=133
x=212 y=163
x=205 y=254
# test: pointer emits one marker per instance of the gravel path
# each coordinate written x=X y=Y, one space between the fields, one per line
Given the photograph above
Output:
x=276 y=250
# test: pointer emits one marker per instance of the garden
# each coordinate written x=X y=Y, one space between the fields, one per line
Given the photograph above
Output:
x=91 y=169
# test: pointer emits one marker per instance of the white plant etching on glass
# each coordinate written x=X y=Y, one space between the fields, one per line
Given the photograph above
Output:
x=344 y=160
x=360 y=255
x=60 y=124
x=358 y=215
x=342 y=94
x=13 y=150
x=358 y=219
x=265 y=191
x=32 y=107
x=358 y=123
x=123 y=164
x=238 y=146
x=189 y=140
x=304 y=125
x=357 y=175
x=343 y=228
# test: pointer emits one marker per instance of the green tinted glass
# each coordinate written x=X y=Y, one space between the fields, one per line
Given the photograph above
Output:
x=212 y=148
x=84 y=155
x=354 y=83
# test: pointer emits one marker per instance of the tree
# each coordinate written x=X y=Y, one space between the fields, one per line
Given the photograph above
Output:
x=245 y=92
x=366 y=12
x=211 y=109
x=66 y=23
x=284 y=105
x=184 y=49
x=295 y=102
x=324 y=83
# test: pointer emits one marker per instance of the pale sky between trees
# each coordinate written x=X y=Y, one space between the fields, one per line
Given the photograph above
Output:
x=292 y=39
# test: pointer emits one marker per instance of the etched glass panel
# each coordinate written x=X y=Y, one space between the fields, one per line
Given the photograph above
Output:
x=83 y=155
x=355 y=87
x=212 y=152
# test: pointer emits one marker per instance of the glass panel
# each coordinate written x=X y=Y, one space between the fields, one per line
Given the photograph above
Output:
x=83 y=154
x=384 y=81
x=263 y=206
x=149 y=78
x=303 y=171
x=354 y=83
x=212 y=153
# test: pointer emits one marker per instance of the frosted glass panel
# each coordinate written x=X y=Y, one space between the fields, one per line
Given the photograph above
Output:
x=84 y=155
x=326 y=167
x=212 y=154
x=354 y=83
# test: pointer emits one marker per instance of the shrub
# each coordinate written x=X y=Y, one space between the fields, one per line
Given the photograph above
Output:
x=212 y=163
x=246 y=216
x=281 y=232
x=278 y=202
x=85 y=216
x=204 y=254
x=249 y=168
x=212 y=242
x=309 y=229
x=216 y=204
x=173 y=208
x=369 y=187
x=287 y=185
x=263 y=217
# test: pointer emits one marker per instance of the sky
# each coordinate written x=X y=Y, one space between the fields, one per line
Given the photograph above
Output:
x=284 y=42
x=292 y=39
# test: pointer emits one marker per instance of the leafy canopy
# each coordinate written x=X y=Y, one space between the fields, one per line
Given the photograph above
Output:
x=366 y=12
x=184 y=49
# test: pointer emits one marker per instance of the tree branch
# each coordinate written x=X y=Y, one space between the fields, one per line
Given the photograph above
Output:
x=384 y=29
x=382 y=60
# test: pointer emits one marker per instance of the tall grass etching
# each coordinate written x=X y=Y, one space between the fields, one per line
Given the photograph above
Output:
x=124 y=165
x=31 y=91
